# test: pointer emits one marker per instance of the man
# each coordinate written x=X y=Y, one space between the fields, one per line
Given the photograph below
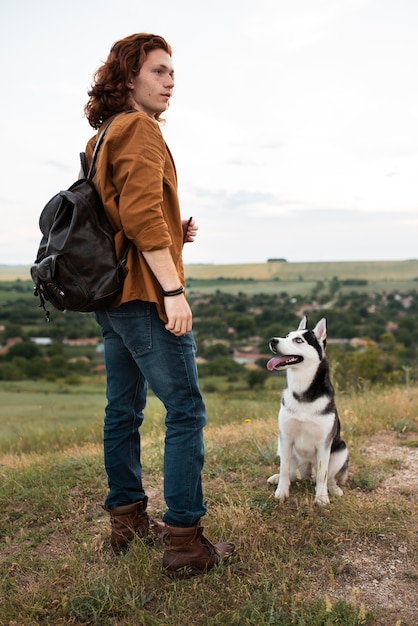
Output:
x=147 y=330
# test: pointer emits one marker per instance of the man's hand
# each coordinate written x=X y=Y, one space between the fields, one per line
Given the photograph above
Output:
x=179 y=315
x=190 y=229
x=176 y=307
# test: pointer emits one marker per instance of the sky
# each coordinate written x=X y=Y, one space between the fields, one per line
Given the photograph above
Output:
x=294 y=123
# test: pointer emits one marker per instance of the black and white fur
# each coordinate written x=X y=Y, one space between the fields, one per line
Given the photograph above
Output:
x=309 y=427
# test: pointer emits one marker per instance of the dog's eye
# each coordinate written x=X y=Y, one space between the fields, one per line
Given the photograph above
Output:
x=298 y=340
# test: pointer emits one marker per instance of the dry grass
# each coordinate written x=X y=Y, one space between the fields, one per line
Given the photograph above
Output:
x=353 y=562
x=369 y=270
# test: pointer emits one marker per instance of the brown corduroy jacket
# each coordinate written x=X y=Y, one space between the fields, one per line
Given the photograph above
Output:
x=136 y=178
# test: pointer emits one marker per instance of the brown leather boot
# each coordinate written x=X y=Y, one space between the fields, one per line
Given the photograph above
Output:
x=188 y=553
x=128 y=521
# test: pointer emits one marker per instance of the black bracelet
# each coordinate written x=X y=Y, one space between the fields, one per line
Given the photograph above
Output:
x=175 y=292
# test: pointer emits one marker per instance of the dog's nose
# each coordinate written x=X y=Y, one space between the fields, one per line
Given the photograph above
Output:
x=274 y=342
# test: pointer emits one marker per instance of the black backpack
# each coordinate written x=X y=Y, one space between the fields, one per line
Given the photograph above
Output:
x=76 y=268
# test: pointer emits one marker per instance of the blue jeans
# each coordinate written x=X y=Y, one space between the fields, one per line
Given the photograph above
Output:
x=140 y=351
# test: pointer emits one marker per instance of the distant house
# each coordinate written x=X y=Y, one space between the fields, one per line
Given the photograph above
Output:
x=77 y=343
x=41 y=341
x=98 y=369
x=12 y=341
x=359 y=342
x=248 y=357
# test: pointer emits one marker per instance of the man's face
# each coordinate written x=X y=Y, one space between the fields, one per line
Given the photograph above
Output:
x=152 y=88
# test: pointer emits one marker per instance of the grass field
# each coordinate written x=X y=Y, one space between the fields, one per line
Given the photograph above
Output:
x=351 y=563
x=276 y=277
x=369 y=270
x=292 y=272
x=302 y=278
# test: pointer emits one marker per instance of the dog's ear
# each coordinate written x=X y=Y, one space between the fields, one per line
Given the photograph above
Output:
x=304 y=323
x=320 y=330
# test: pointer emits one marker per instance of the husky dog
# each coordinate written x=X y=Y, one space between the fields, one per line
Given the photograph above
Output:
x=309 y=427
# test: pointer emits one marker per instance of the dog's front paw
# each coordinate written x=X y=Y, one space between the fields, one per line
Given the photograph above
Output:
x=281 y=493
x=322 y=499
x=273 y=480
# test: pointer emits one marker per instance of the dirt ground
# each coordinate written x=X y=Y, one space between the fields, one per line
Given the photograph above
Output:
x=384 y=574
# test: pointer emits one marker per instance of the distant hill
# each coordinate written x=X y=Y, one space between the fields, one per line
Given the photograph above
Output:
x=279 y=270
x=14 y=272
x=283 y=271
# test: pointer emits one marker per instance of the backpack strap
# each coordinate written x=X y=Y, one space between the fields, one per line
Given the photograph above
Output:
x=97 y=146
x=83 y=163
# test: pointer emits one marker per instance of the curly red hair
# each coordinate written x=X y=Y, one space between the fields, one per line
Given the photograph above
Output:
x=109 y=93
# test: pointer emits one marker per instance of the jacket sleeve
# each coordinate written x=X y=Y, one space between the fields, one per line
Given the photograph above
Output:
x=137 y=155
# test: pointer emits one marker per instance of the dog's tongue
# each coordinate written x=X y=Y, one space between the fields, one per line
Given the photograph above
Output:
x=276 y=361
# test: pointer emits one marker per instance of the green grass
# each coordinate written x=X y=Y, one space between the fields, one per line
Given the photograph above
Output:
x=43 y=417
x=55 y=567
